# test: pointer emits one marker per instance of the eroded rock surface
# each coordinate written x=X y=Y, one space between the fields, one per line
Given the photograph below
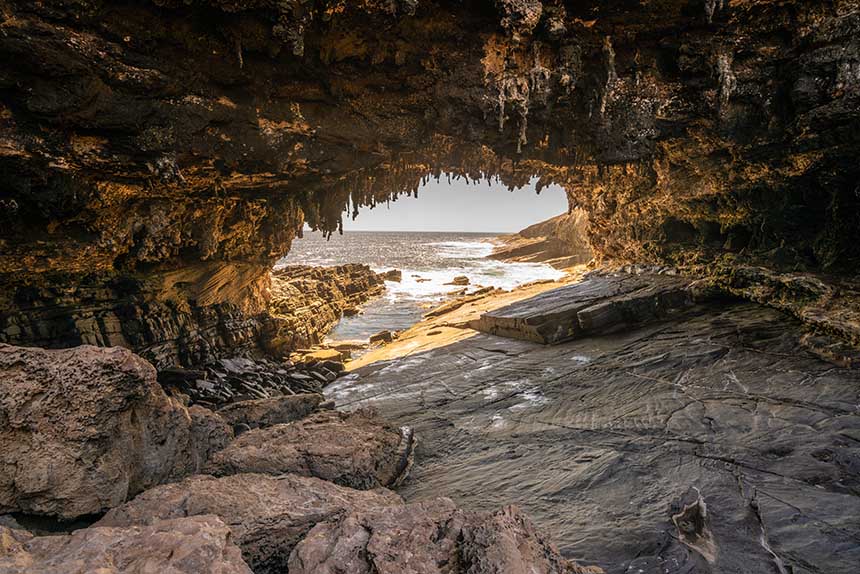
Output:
x=181 y=546
x=267 y=515
x=268 y=412
x=604 y=441
x=560 y=241
x=432 y=536
x=351 y=449
x=82 y=429
x=307 y=302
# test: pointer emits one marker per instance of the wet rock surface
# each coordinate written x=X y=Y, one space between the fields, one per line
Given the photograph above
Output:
x=82 y=429
x=432 y=536
x=267 y=515
x=358 y=450
x=181 y=546
x=608 y=442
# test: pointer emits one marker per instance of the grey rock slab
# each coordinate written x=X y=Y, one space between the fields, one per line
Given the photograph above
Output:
x=598 y=304
x=602 y=440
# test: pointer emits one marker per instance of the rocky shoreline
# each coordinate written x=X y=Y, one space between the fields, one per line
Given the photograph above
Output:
x=89 y=434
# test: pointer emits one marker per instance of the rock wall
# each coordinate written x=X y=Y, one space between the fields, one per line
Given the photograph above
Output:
x=307 y=302
x=143 y=138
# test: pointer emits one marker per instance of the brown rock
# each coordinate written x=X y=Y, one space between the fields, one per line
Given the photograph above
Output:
x=267 y=515
x=268 y=412
x=382 y=337
x=181 y=546
x=395 y=275
x=355 y=449
x=82 y=429
x=459 y=280
x=428 y=537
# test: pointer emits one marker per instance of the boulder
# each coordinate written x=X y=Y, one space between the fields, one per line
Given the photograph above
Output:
x=432 y=536
x=268 y=515
x=459 y=280
x=83 y=429
x=395 y=275
x=181 y=546
x=351 y=449
x=268 y=412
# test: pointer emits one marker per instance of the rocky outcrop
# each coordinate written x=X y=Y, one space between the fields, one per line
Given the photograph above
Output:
x=561 y=241
x=430 y=536
x=83 y=429
x=181 y=546
x=267 y=515
x=307 y=302
x=356 y=450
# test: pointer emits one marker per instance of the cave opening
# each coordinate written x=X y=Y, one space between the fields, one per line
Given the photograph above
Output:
x=452 y=237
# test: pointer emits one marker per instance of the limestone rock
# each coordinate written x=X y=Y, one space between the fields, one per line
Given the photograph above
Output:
x=181 y=546
x=307 y=302
x=428 y=537
x=268 y=515
x=355 y=449
x=82 y=429
x=268 y=412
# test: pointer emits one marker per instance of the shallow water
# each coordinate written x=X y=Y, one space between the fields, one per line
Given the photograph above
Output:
x=428 y=260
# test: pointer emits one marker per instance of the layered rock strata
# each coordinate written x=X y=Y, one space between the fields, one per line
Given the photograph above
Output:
x=307 y=302
x=689 y=131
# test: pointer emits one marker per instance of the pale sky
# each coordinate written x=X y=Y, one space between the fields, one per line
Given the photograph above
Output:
x=459 y=206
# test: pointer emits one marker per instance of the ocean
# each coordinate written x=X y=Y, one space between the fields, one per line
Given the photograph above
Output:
x=428 y=260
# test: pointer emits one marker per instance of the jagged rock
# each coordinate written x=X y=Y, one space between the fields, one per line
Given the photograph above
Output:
x=268 y=412
x=355 y=449
x=268 y=515
x=599 y=304
x=226 y=381
x=560 y=241
x=180 y=546
x=430 y=536
x=82 y=429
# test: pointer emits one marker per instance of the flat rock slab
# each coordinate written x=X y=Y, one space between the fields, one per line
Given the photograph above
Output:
x=267 y=515
x=598 y=304
x=430 y=537
x=357 y=449
x=602 y=441
x=181 y=546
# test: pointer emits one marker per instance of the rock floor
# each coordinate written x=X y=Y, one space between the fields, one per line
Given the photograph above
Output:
x=603 y=440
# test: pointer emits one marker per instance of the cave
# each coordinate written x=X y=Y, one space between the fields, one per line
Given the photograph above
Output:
x=689 y=404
